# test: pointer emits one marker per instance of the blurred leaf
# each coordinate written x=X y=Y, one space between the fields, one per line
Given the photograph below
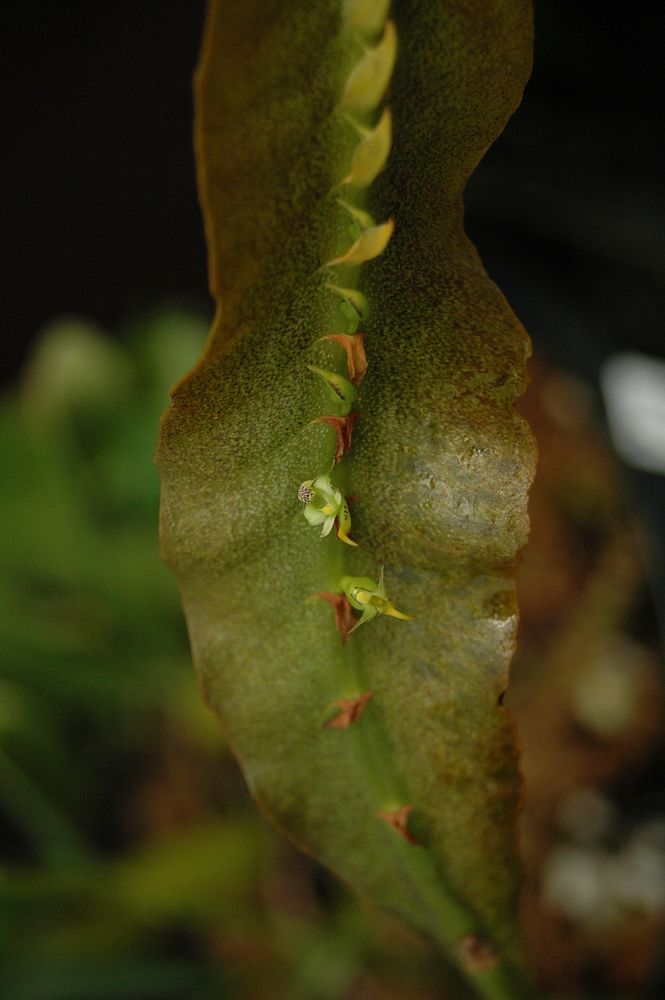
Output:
x=203 y=874
x=205 y=878
x=76 y=370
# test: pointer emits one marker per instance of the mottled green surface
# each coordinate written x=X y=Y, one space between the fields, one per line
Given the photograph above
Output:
x=440 y=465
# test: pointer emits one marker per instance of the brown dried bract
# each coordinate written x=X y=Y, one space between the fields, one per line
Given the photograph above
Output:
x=344 y=617
x=476 y=954
x=354 y=345
x=350 y=710
x=343 y=427
x=398 y=819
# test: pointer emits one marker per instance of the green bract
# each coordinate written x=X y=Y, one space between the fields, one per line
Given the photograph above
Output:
x=341 y=392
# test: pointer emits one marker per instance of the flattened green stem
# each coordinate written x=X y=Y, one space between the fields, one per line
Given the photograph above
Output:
x=382 y=774
x=456 y=929
x=452 y=924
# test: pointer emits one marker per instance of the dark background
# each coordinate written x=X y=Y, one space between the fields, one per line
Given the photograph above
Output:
x=100 y=215
x=99 y=204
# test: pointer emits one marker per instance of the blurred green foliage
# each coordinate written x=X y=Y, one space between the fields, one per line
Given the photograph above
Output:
x=94 y=653
x=91 y=634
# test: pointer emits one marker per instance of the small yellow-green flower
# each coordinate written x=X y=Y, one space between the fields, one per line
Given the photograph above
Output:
x=369 y=597
x=322 y=504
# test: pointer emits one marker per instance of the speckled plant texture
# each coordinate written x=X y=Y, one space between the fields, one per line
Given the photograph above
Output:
x=347 y=452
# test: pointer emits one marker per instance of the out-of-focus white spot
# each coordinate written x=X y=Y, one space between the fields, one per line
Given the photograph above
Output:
x=633 y=387
x=606 y=695
x=574 y=882
x=585 y=815
x=637 y=878
x=601 y=888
